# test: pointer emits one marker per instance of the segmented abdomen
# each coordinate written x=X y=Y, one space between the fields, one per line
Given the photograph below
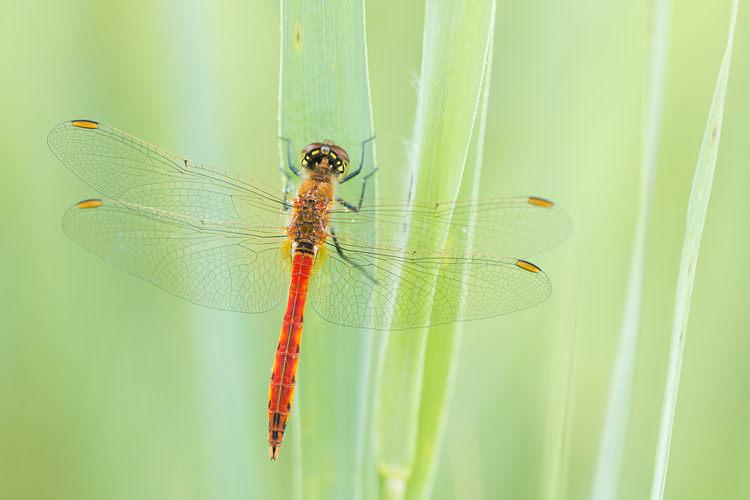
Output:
x=284 y=374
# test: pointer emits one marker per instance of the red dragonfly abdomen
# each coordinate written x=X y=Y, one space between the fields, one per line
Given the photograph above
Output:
x=284 y=374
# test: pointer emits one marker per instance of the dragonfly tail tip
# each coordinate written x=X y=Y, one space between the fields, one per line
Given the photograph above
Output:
x=273 y=452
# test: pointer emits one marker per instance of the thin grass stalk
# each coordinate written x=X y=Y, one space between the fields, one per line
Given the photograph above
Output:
x=563 y=390
x=617 y=417
x=696 y=218
x=456 y=41
x=324 y=95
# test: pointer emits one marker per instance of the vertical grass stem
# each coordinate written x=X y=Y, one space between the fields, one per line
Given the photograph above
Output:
x=696 y=217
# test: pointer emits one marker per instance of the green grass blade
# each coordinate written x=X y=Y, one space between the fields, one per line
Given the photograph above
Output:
x=696 y=217
x=444 y=342
x=324 y=94
x=456 y=41
x=617 y=417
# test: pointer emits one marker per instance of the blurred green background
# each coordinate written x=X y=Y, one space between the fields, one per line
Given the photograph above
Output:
x=111 y=388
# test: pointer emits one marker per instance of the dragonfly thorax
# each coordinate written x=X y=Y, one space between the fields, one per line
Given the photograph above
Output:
x=310 y=221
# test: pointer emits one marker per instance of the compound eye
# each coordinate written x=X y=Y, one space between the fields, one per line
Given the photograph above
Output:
x=342 y=167
x=338 y=163
x=341 y=160
x=307 y=157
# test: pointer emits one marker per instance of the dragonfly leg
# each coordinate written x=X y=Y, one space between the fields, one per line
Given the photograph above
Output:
x=288 y=187
x=347 y=259
x=362 y=194
x=289 y=159
x=361 y=161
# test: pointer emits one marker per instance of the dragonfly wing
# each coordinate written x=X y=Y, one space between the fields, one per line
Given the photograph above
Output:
x=519 y=226
x=127 y=169
x=235 y=267
x=385 y=289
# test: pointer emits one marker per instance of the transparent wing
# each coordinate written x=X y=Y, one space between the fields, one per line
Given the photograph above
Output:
x=364 y=288
x=238 y=267
x=218 y=239
x=519 y=226
x=127 y=169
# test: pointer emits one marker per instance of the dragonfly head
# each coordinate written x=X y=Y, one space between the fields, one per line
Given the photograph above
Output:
x=325 y=155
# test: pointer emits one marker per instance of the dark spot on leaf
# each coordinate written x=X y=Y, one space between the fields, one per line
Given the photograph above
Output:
x=297 y=37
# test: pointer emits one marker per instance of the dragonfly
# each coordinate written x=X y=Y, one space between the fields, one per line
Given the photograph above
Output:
x=226 y=241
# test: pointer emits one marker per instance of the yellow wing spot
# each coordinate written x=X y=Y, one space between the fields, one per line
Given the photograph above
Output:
x=540 y=202
x=527 y=266
x=85 y=124
x=89 y=204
